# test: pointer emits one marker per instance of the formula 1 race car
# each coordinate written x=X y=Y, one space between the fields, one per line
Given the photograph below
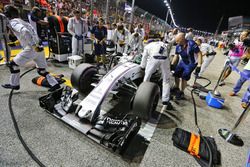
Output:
x=88 y=116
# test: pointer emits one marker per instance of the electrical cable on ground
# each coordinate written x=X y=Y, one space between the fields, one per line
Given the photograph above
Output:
x=17 y=128
x=196 y=122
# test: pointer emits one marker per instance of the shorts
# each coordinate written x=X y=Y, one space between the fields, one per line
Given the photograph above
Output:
x=184 y=71
x=100 y=49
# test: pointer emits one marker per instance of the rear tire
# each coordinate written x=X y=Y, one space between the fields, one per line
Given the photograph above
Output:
x=146 y=100
x=82 y=78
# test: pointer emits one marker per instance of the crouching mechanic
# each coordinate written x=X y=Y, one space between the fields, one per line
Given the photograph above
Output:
x=156 y=52
x=190 y=56
x=30 y=43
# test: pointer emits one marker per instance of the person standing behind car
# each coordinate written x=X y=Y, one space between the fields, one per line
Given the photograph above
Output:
x=135 y=43
x=78 y=28
x=99 y=35
x=139 y=29
x=121 y=38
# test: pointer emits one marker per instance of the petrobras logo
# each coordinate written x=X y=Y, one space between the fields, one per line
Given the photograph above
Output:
x=116 y=122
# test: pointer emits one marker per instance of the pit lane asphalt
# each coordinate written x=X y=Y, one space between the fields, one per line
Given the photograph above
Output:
x=56 y=144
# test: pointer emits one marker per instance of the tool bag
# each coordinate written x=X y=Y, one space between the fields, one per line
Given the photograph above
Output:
x=42 y=81
x=195 y=145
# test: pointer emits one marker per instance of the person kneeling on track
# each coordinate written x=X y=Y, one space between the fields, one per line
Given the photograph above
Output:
x=157 y=54
x=191 y=58
x=30 y=43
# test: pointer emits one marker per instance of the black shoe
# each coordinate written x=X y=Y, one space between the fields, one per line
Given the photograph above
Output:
x=168 y=104
x=9 y=86
x=105 y=68
x=180 y=96
x=173 y=91
x=55 y=87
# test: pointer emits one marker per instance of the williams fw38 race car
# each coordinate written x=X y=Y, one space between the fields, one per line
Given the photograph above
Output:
x=91 y=106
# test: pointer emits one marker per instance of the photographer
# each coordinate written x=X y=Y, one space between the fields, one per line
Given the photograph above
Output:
x=36 y=21
x=235 y=55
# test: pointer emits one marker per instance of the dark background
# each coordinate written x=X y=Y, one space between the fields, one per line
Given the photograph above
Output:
x=198 y=14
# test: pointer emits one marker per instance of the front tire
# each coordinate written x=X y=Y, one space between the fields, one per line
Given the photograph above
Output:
x=82 y=78
x=146 y=100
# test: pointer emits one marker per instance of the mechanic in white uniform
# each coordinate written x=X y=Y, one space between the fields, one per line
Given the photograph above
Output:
x=141 y=31
x=156 y=55
x=31 y=50
x=121 y=38
x=78 y=28
x=189 y=35
x=135 y=42
x=207 y=52
x=4 y=37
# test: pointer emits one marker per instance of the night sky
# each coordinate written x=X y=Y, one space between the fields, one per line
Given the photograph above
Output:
x=200 y=14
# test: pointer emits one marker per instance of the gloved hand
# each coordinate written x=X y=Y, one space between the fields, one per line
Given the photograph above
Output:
x=246 y=42
x=79 y=37
x=38 y=48
x=172 y=67
x=197 y=70
x=15 y=43
x=102 y=42
x=226 y=53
